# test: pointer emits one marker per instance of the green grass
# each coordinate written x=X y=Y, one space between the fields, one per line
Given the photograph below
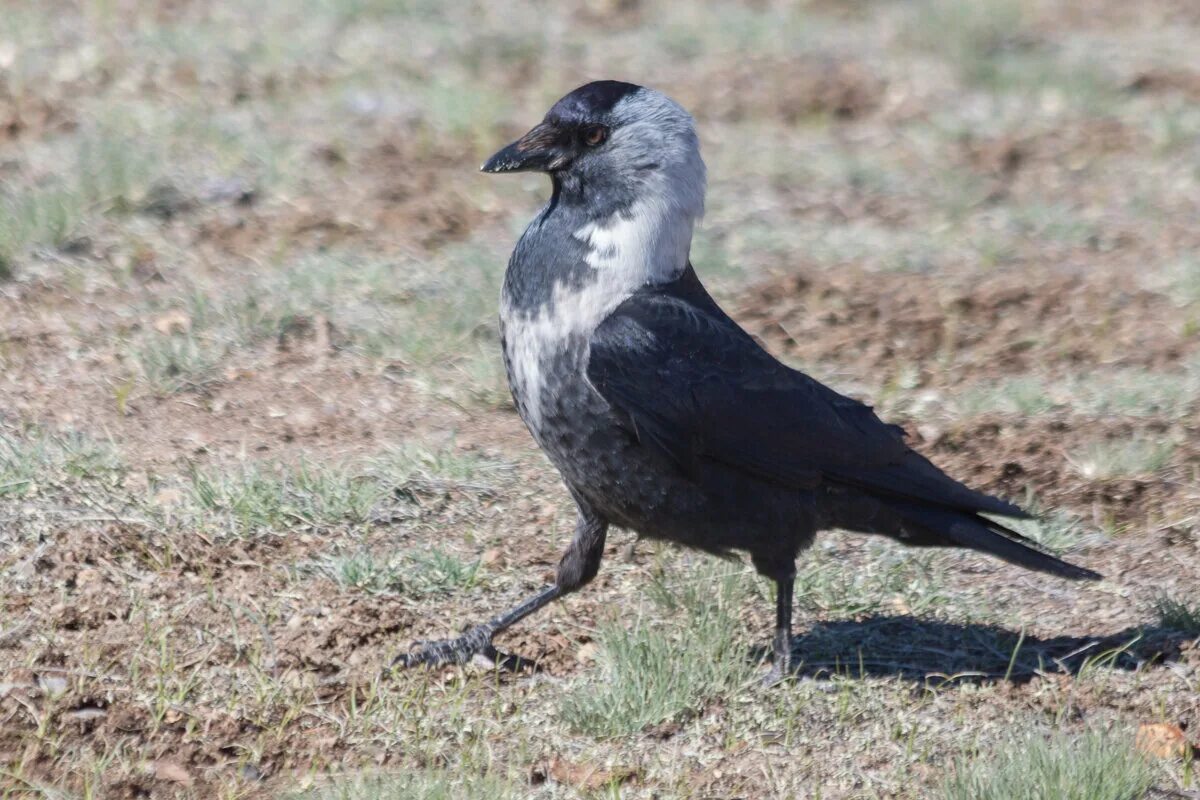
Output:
x=179 y=361
x=1178 y=615
x=461 y=109
x=481 y=374
x=363 y=572
x=1057 y=531
x=1138 y=392
x=1051 y=222
x=692 y=33
x=992 y=47
x=264 y=499
x=414 y=574
x=116 y=166
x=32 y=457
x=1186 y=281
x=1122 y=458
x=47 y=216
x=974 y=37
x=109 y=170
x=437 y=571
x=444 y=314
x=1025 y=395
x=428 y=784
x=441 y=323
x=1091 y=766
x=255 y=498
x=663 y=670
x=291 y=302
x=413 y=465
x=824 y=587
x=1128 y=392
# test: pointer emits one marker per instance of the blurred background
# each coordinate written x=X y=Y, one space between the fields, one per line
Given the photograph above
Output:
x=255 y=436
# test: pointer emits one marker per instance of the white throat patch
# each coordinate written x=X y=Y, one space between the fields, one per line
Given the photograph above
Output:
x=626 y=252
x=644 y=245
x=638 y=247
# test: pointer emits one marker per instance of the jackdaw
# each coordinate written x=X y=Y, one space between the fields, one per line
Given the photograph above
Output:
x=663 y=415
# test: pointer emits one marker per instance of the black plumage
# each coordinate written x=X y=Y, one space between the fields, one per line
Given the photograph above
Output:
x=663 y=416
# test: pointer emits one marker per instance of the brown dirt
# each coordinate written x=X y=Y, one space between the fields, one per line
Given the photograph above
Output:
x=1007 y=324
x=790 y=90
x=869 y=326
x=328 y=645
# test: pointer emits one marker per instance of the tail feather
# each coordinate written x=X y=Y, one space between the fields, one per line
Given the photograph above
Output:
x=915 y=479
x=988 y=536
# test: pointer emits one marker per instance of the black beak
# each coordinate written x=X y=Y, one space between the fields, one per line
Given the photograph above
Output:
x=540 y=149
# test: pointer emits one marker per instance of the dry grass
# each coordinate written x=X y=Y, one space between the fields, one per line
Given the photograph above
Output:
x=1119 y=459
x=661 y=670
x=428 y=785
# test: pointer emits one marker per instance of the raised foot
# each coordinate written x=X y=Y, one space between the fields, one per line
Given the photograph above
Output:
x=475 y=643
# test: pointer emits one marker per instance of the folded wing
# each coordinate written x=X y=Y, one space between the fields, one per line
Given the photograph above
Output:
x=696 y=387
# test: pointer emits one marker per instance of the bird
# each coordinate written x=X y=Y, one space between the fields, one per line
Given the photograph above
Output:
x=665 y=417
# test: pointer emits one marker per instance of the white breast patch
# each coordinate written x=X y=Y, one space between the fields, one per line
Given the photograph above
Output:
x=534 y=342
x=645 y=245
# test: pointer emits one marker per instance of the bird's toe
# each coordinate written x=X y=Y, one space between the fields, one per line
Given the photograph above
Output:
x=474 y=645
x=477 y=641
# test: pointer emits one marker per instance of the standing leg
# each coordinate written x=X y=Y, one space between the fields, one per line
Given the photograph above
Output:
x=781 y=668
x=577 y=567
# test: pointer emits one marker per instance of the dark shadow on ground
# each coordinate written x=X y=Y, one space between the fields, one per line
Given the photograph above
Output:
x=934 y=652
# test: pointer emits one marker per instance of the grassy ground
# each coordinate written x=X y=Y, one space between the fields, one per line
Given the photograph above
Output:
x=255 y=440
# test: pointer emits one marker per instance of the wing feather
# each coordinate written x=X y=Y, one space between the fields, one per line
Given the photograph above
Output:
x=695 y=386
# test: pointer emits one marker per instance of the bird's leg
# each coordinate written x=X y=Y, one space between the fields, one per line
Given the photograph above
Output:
x=578 y=565
x=781 y=667
x=477 y=640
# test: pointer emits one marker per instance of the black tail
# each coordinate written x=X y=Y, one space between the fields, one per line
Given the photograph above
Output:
x=960 y=529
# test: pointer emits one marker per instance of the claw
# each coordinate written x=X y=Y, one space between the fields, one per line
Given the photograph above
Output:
x=475 y=642
x=478 y=640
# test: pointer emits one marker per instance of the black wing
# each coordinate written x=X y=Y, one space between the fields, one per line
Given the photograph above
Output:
x=693 y=384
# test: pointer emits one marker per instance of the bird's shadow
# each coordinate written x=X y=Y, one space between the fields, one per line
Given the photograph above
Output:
x=933 y=652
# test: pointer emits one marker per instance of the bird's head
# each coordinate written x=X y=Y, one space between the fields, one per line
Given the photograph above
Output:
x=614 y=143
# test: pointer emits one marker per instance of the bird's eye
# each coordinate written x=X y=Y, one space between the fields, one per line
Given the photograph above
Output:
x=594 y=135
